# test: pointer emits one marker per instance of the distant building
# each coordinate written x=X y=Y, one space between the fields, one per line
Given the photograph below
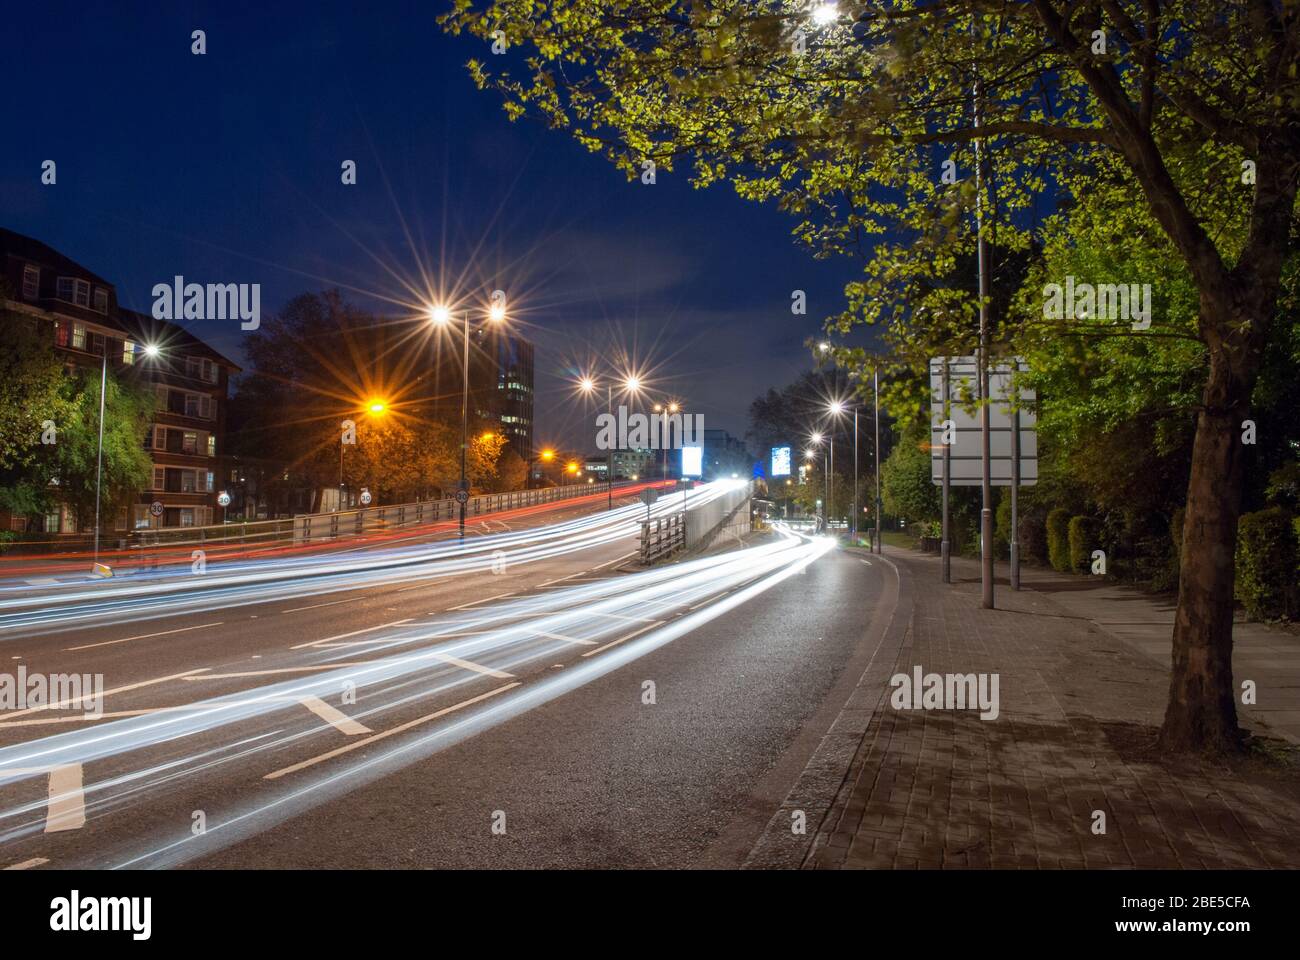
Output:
x=189 y=378
x=725 y=455
x=500 y=381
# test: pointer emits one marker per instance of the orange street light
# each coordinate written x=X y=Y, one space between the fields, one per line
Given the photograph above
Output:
x=376 y=407
x=548 y=455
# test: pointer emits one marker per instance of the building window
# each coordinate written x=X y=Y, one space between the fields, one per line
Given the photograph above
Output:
x=212 y=444
x=82 y=296
x=52 y=522
x=98 y=344
x=210 y=478
x=190 y=442
x=186 y=516
x=61 y=330
x=143 y=519
x=128 y=352
x=64 y=288
x=31 y=281
x=101 y=300
x=159 y=478
x=79 y=336
x=187 y=481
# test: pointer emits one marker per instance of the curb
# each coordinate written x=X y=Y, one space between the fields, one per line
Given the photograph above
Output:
x=833 y=764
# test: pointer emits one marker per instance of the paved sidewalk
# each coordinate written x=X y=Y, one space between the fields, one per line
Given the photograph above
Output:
x=1079 y=712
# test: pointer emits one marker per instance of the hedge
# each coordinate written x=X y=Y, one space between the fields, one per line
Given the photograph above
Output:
x=1058 y=539
x=1082 y=537
x=1266 y=563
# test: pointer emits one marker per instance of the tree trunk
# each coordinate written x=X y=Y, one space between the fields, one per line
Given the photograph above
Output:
x=1202 y=713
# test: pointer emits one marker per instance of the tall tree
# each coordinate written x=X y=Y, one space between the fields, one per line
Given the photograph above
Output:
x=869 y=134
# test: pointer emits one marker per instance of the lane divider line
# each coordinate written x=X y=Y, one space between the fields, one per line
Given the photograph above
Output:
x=143 y=636
x=65 y=807
x=341 y=636
x=475 y=667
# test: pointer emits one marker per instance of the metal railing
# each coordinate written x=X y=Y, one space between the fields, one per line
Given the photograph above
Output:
x=662 y=537
x=310 y=528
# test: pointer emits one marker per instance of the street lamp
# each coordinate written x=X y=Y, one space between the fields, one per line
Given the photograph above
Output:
x=151 y=350
x=631 y=384
x=829 y=462
x=441 y=316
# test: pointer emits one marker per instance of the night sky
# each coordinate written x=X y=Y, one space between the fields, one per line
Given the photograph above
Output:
x=226 y=168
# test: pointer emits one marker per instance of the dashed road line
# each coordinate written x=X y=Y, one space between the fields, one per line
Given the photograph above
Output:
x=623 y=639
x=474 y=603
x=316 y=606
x=66 y=807
x=143 y=636
x=342 y=636
x=28 y=864
x=475 y=667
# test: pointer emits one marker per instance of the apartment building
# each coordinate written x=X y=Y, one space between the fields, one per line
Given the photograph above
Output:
x=189 y=378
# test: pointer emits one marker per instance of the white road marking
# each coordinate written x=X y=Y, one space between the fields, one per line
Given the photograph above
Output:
x=614 y=561
x=28 y=864
x=867 y=562
x=143 y=636
x=623 y=639
x=42 y=581
x=620 y=616
x=63 y=704
x=262 y=673
x=560 y=636
x=332 y=716
x=470 y=665
x=276 y=774
x=315 y=606
x=473 y=603
x=66 y=807
x=562 y=579
x=340 y=636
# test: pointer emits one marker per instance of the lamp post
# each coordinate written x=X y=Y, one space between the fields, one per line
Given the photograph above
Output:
x=631 y=385
x=151 y=351
x=442 y=316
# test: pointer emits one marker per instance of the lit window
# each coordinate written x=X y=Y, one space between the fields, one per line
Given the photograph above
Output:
x=78 y=336
x=128 y=351
x=212 y=444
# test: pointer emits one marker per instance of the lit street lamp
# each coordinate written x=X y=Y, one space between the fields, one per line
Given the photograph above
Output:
x=151 y=351
x=631 y=384
x=441 y=316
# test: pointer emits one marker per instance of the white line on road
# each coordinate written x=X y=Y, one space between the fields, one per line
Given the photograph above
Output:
x=474 y=603
x=315 y=606
x=143 y=636
x=470 y=665
x=334 y=717
x=341 y=636
x=560 y=636
x=66 y=807
x=276 y=774
x=263 y=673
x=623 y=639
x=28 y=864
x=614 y=561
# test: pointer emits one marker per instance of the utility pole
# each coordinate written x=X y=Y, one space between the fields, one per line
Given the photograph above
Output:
x=986 y=483
x=880 y=528
x=945 y=546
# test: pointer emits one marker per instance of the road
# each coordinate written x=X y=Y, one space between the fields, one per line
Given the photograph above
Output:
x=530 y=699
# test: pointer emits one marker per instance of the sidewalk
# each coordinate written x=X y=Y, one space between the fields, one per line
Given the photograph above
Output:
x=1080 y=705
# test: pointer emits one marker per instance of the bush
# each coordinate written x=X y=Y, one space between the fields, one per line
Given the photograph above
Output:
x=1266 y=563
x=1002 y=525
x=1082 y=537
x=1058 y=542
x=1033 y=539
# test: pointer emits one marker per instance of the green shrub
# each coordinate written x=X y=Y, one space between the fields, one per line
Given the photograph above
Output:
x=1002 y=525
x=1033 y=539
x=1082 y=537
x=1266 y=563
x=1058 y=539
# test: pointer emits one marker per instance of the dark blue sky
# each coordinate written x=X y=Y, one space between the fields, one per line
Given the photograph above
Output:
x=225 y=168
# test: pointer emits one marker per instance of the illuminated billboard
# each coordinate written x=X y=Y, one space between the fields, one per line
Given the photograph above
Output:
x=780 y=461
x=692 y=461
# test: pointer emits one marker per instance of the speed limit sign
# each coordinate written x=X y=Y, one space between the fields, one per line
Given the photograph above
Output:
x=223 y=499
x=156 y=508
x=462 y=496
x=365 y=498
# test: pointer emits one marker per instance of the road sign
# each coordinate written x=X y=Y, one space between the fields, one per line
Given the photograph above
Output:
x=462 y=496
x=223 y=499
x=965 y=445
x=156 y=508
x=780 y=461
x=365 y=498
x=649 y=495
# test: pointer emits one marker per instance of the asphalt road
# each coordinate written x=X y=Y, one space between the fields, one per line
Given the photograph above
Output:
x=242 y=740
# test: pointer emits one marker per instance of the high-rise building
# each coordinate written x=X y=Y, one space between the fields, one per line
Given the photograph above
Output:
x=500 y=382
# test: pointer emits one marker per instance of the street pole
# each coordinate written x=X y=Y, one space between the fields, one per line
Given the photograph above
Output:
x=854 y=524
x=609 y=451
x=830 y=482
x=99 y=458
x=464 y=423
x=880 y=528
x=986 y=482
x=1015 y=492
x=945 y=547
